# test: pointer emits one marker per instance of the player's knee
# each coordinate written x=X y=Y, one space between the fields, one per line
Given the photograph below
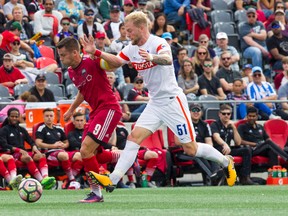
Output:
x=150 y=154
x=26 y=159
x=77 y=156
x=37 y=156
x=190 y=149
x=6 y=157
x=85 y=153
x=63 y=156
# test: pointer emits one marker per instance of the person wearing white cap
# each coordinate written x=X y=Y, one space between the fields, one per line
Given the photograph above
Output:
x=222 y=45
x=253 y=39
x=262 y=90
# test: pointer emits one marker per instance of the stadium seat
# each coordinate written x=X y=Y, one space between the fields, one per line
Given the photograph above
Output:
x=219 y=5
x=240 y=16
x=52 y=78
x=227 y=27
x=4 y=92
x=221 y=16
x=19 y=89
x=58 y=90
x=47 y=51
x=6 y=100
x=68 y=127
x=71 y=91
x=209 y=121
x=210 y=109
x=277 y=129
x=43 y=62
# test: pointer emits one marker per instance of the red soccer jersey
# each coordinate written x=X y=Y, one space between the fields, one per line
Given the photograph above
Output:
x=93 y=84
x=7 y=36
x=10 y=77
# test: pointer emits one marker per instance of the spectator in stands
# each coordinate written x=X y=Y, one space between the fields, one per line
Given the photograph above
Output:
x=174 y=46
x=8 y=35
x=222 y=45
x=54 y=139
x=188 y=80
x=13 y=136
x=226 y=74
x=203 y=135
x=160 y=26
x=89 y=26
x=252 y=38
x=204 y=41
x=277 y=46
x=40 y=91
x=280 y=17
x=238 y=95
x=72 y=9
x=24 y=97
x=201 y=53
x=245 y=4
x=2 y=21
x=175 y=12
x=9 y=75
x=138 y=93
x=111 y=26
x=117 y=45
x=247 y=74
x=33 y=7
x=47 y=21
x=254 y=135
x=283 y=95
x=65 y=32
x=8 y=7
x=129 y=73
x=143 y=6
x=202 y=4
x=100 y=38
x=128 y=8
x=27 y=28
x=126 y=114
x=279 y=5
x=282 y=77
x=182 y=54
x=227 y=140
x=104 y=7
x=267 y=6
x=210 y=84
x=262 y=90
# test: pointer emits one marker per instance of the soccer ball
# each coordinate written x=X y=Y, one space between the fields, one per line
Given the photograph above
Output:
x=30 y=190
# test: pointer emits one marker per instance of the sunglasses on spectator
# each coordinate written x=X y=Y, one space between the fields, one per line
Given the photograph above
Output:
x=227 y=58
x=66 y=24
x=208 y=65
x=91 y=14
x=226 y=113
x=275 y=26
x=195 y=109
x=202 y=53
x=16 y=43
x=257 y=75
x=139 y=82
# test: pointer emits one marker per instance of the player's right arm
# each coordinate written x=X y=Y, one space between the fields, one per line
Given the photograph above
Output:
x=78 y=100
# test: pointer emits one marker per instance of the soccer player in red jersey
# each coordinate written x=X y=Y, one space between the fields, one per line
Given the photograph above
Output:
x=93 y=87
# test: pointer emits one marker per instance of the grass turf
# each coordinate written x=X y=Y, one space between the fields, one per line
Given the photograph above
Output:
x=238 y=200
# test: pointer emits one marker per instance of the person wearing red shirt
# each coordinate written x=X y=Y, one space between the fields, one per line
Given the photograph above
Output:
x=9 y=75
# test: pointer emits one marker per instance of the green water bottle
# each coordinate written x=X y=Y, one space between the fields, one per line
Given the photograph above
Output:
x=144 y=179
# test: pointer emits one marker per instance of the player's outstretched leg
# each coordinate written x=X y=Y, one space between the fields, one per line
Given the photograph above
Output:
x=15 y=182
x=102 y=180
x=231 y=175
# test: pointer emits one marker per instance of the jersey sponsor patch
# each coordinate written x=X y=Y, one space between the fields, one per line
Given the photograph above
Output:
x=143 y=65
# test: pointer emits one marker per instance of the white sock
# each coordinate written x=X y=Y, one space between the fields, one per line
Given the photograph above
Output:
x=125 y=161
x=208 y=152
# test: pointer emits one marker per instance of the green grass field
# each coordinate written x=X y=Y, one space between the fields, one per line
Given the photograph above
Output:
x=238 y=200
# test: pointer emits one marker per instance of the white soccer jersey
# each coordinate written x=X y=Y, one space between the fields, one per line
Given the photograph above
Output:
x=159 y=79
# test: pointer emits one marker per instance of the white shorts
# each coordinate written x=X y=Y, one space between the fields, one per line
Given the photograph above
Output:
x=175 y=115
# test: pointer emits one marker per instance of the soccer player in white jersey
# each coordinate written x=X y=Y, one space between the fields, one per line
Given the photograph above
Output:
x=151 y=57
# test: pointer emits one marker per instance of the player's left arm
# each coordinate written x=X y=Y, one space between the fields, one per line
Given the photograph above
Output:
x=162 y=58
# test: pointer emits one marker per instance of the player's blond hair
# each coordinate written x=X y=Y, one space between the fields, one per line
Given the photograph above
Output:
x=138 y=18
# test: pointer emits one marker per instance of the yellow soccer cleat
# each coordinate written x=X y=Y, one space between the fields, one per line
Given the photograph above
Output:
x=231 y=175
x=102 y=180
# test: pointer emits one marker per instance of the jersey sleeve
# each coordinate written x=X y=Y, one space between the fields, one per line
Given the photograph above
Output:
x=123 y=54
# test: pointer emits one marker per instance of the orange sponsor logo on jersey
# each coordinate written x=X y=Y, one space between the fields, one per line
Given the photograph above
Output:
x=143 y=65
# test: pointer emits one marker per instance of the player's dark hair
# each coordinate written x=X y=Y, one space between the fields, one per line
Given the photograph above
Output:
x=180 y=49
x=48 y=110
x=252 y=109
x=238 y=79
x=76 y=114
x=6 y=121
x=121 y=24
x=69 y=43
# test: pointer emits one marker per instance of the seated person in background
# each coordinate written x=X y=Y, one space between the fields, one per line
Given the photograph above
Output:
x=210 y=84
x=226 y=74
x=13 y=136
x=187 y=79
x=277 y=46
x=24 y=97
x=160 y=26
x=238 y=95
x=201 y=53
x=283 y=95
x=126 y=114
x=40 y=91
x=222 y=45
x=255 y=136
x=262 y=90
x=118 y=44
x=9 y=173
x=9 y=75
x=202 y=4
x=279 y=17
x=203 y=134
x=53 y=140
x=247 y=74
x=227 y=140
x=65 y=32
x=138 y=93
x=174 y=45
x=182 y=54
x=8 y=8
